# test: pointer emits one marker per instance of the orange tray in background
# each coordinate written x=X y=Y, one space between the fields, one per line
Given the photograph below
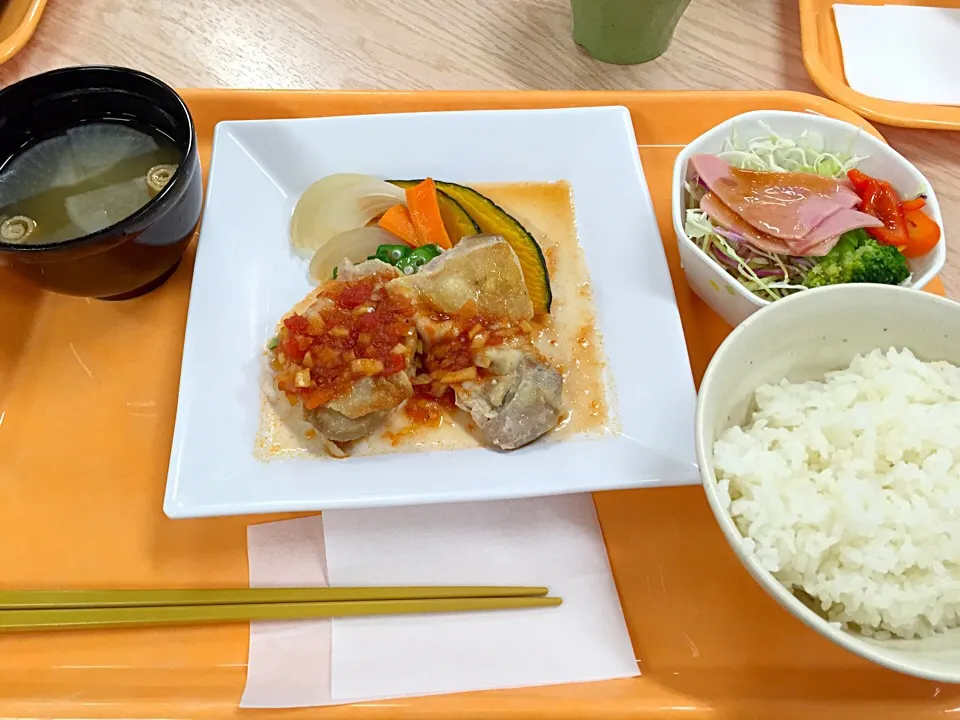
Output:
x=18 y=22
x=87 y=400
x=824 y=62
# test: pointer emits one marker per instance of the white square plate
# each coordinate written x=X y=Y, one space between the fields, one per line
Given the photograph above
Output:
x=246 y=278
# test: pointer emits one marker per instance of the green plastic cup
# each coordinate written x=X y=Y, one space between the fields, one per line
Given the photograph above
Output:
x=626 y=32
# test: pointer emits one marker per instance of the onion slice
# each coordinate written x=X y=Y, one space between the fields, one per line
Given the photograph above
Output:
x=336 y=204
x=355 y=245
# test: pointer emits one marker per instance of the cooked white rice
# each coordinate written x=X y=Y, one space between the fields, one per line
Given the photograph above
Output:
x=848 y=491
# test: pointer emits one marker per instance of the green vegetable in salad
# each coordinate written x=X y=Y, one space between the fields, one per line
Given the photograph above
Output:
x=773 y=153
x=858 y=258
x=767 y=275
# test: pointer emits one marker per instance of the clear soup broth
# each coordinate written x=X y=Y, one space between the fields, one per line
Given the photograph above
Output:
x=82 y=181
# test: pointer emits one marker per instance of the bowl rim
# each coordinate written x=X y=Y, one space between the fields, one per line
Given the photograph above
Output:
x=177 y=179
x=678 y=191
x=703 y=449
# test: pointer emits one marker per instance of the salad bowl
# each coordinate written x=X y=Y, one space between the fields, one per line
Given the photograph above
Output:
x=779 y=136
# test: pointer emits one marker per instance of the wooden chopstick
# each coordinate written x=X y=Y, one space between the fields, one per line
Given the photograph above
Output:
x=66 y=599
x=94 y=618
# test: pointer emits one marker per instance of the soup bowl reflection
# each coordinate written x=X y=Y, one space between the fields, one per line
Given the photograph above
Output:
x=139 y=252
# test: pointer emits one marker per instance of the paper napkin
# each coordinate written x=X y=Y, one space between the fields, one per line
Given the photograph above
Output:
x=900 y=52
x=545 y=541
x=288 y=662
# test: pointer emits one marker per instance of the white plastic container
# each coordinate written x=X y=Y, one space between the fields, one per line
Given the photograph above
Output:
x=722 y=292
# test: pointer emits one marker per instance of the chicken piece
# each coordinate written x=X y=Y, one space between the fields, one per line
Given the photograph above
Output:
x=473 y=317
x=516 y=404
x=349 y=271
x=362 y=410
x=337 y=327
x=339 y=428
x=484 y=269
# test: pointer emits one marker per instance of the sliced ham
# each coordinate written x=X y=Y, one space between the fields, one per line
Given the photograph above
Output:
x=823 y=248
x=780 y=212
x=726 y=218
x=835 y=226
x=784 y=205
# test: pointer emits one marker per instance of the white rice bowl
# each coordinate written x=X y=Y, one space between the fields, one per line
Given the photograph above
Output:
x=843 y=489
x=848 y=491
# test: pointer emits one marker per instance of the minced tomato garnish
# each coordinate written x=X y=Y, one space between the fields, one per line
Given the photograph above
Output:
x=363 y=331
x=451 y=355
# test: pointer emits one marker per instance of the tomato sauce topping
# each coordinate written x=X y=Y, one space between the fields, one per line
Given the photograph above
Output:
x=453 y=343
x=425 y=410
x=362 y=331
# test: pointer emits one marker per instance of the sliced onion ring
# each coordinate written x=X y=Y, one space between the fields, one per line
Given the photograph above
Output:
x=338 y=203
x=354 y=245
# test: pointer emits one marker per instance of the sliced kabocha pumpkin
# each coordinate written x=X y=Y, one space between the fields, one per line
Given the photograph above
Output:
x=491 y=219
x=457 y=221
x=494 y=220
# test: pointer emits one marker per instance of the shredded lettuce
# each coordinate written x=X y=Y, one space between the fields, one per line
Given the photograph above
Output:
x=773 y=153
x=788 y=274
x=697 y=225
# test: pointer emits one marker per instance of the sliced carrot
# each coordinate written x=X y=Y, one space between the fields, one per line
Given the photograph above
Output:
x=425 y=214
x=397 y=221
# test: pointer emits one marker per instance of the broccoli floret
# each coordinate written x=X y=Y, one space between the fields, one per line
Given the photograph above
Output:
x=876 y=263
x=858 y=258
x=836 y=267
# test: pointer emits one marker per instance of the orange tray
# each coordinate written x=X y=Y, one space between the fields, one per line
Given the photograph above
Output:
x=824 y=62
x=18 y=22
x=87 y=399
